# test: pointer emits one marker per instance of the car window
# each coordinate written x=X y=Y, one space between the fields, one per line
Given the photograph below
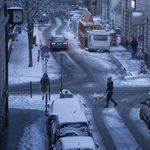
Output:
x=58 y=39
x=74 y=125
x=100 y=37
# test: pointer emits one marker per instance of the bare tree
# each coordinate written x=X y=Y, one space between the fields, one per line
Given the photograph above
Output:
x=31 y=10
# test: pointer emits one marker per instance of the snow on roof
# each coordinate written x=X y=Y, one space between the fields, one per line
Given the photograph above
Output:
x=78 y=142
x=15 y=8
x=72 y=118
x=66 y=106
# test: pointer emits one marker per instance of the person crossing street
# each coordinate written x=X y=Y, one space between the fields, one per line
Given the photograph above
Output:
x=109 y=92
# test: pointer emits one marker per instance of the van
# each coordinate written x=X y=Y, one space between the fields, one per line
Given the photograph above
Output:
x=75 y=143
x=98 y=40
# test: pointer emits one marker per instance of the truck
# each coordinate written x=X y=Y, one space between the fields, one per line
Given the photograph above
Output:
x=91 y=34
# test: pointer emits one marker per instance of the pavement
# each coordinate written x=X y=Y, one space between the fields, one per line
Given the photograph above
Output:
x=18 y=118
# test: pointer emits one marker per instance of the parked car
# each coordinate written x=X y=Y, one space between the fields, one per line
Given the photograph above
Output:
x=69 y=125
x=145 y=112
x=75 y=143
x=58 y=42
x=64 y=106
x=66 y=94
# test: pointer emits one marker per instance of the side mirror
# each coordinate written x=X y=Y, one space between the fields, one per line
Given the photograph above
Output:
x=96 y=145
x=66 y=39
x=49 y=39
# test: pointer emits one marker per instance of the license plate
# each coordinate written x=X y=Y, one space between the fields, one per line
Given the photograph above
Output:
x=59 y=43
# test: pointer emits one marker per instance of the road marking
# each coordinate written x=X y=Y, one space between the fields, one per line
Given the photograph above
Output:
x=120 y=134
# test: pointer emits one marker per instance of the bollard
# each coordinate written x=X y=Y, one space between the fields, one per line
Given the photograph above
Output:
x=38 y=55
x=31 y=89
x=46 y=103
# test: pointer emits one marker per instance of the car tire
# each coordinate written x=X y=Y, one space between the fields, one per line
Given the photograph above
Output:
x=53 y=138
x=148 y=124
x=141 y=116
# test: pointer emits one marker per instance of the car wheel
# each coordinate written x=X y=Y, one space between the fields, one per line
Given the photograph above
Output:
x=148 y=124
x=141 y=116
x=53 y=137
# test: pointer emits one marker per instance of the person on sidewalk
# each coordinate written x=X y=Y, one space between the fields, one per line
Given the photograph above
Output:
x=134 y=45
x=109 y=92
x=44 y=82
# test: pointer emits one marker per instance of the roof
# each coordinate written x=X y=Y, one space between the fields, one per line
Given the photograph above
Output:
x=66 y=106
x=77 y=142
x=63 y=118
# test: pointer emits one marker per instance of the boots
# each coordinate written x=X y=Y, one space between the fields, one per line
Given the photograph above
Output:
x=42 y=97
x=106 y=104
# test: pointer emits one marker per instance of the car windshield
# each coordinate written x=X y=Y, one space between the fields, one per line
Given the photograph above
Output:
x=58 y=39
x=73 y=125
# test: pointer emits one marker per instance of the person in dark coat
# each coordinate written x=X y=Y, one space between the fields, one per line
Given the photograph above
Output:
x=109 y=92
x=44 y=82
x=134 y=45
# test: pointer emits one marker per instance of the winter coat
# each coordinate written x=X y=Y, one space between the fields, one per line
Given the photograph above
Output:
x=44 y=82
x=134 y=44
x=109 y=86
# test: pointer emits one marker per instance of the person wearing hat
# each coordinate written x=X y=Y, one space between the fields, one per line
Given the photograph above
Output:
x=44 y=82
x=109 y=92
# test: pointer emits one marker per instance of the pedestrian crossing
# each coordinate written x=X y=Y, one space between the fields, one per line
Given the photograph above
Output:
x=115 y=126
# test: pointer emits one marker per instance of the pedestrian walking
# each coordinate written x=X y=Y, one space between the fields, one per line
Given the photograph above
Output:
x=44 y=82
x=109 y=92
x=134 y=45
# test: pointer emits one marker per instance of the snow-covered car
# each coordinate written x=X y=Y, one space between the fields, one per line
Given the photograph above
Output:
x=75 y=143
x=64 y=106
x=145 y=112
x=58 y=42
x=66 y=94
x=69 y=125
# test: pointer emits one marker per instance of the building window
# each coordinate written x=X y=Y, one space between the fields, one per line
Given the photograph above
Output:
x=133 y=4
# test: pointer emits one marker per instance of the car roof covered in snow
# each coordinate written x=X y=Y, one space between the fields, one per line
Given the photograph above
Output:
x=66 y=106
x=76 y=142
x=72 y=118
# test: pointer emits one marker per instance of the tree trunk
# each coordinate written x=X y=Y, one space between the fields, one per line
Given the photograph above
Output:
x=30 y=41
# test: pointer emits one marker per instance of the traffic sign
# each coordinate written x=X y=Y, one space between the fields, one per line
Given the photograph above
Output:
x=140 y=53
x=141 y=38
x=45 y=49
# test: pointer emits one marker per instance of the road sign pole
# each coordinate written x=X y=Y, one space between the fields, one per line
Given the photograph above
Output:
x=61 y=76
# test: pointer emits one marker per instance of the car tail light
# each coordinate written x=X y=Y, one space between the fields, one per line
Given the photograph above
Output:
x=58 y=130
x=88 y=129
x=53 y=43
x=65 y=43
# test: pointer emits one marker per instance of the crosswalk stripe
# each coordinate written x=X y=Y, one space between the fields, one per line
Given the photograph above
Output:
x=120 y=134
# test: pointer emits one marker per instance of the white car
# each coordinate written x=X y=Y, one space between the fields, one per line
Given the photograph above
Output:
x=69 y=125
x=75 y=143
x=64 y=106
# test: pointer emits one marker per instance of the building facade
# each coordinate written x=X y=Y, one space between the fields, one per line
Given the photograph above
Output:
x=3 y=66
x=135 y=16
